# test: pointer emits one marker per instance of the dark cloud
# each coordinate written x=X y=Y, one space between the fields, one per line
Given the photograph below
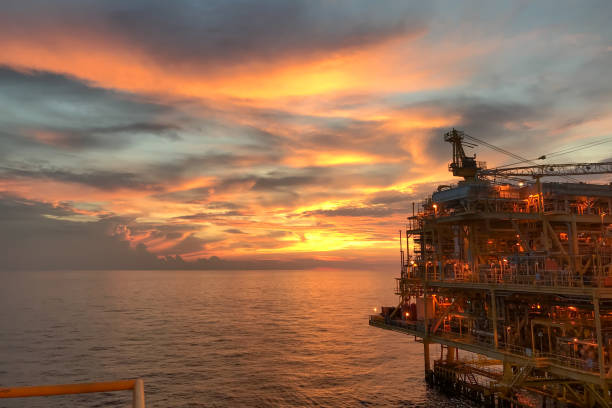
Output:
x=169 y=231
x=190 y=196
x=223 y=205
x=101 y=179
x=52 y=110
x=32 y=237
x=219 y=32
x=392 y=197
x=372 y=211
x=278 y=234
x=202 y=216
x=271 y=183
x=357 y=136
x=234 y=231
x=209 y=163
x=187 y=245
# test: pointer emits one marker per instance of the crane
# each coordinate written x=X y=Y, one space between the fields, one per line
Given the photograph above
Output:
x=467 y=167
x=549 y=170
x=462 y=165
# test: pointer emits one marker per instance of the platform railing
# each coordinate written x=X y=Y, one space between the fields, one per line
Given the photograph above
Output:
x=582 y=364
x=544 y=278
x=563 y=360
x=137 y=387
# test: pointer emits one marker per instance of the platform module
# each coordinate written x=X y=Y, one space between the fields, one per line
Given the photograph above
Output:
x=511 y=274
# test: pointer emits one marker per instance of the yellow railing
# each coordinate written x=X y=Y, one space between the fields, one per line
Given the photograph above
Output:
x=137 y=386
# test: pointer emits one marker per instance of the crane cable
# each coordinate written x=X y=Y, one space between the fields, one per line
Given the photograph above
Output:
x=500 y=150
x=562 y=152
x=516 y=156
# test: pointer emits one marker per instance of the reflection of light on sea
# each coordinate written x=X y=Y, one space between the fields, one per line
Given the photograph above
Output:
x=229 y=338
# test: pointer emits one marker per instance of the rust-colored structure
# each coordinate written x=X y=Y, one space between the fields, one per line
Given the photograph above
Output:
x=518 y=276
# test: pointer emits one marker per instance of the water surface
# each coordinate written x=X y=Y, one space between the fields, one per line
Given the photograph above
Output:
x=209 y=338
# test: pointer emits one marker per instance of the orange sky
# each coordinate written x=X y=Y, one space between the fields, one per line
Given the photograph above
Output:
x=307 y=134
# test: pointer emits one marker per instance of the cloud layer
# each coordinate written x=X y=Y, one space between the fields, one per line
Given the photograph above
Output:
x=147 y=134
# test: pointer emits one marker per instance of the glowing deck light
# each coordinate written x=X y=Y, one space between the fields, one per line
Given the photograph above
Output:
x=375 y=310
x=407 y=314
x=521 y=184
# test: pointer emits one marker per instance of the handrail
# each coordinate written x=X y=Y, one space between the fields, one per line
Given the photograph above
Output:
x=137 y=385
x=558 y=359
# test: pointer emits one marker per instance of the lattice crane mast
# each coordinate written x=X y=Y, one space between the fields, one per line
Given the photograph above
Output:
x=467 y=167
x=549 y=170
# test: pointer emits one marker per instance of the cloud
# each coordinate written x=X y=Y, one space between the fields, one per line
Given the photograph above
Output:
x=219 y=31
x=372 y=211
x=392 y=197
x=58 y=111
x=272 y=183
x=191 y=196
x=32 y=237
x=234 y=231
x=208 y=216
x=187 y=245
x=102 y=179
x=274 y=128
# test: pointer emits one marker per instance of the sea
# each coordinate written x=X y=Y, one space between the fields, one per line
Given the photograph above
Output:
x=210 y=338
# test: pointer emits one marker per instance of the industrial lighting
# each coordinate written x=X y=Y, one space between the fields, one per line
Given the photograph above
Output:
x=435 y=206
x=374 y=310
x=407 y=314
x=521 y=184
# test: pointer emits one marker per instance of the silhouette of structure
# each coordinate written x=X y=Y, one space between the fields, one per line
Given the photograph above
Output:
x=517 y=274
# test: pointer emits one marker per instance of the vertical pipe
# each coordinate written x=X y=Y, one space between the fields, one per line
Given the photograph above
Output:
x=533 y=340
x=401 y=254
x=425 y=312
x=602 y=371
x=138 y=400
x=426 y=335
x=450 y=354
x=574 y=246
x=494 y=312
x=550 y=349
x=439 y=254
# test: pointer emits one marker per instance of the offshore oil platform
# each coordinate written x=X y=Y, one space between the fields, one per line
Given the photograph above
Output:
x=512 y=277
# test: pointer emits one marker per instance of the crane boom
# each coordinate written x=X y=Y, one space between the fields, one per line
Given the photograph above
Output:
x=549 y=170
x=467 y=167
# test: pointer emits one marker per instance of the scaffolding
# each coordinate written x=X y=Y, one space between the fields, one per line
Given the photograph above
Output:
x=516 y=273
